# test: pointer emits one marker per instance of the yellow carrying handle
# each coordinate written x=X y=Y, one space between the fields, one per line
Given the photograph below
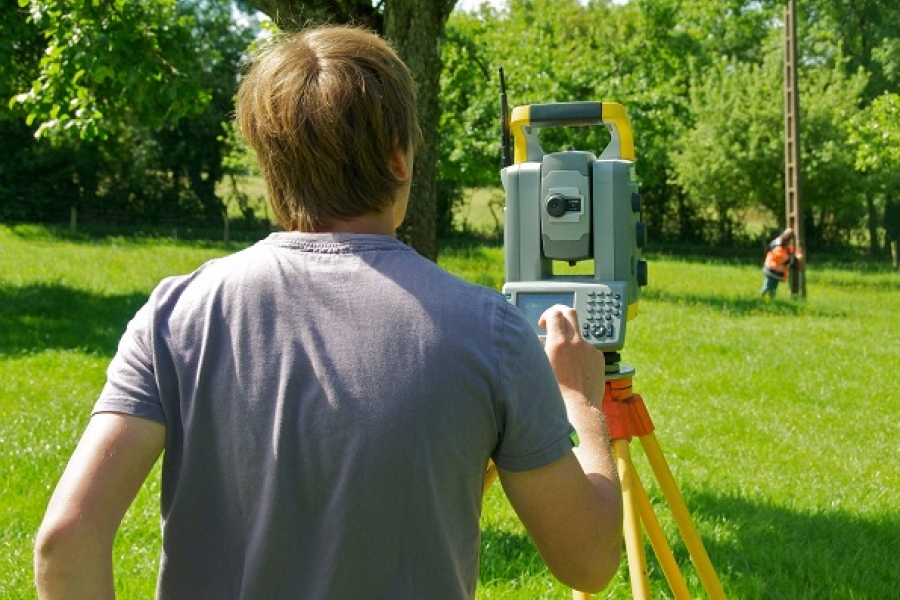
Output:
x=568 y=114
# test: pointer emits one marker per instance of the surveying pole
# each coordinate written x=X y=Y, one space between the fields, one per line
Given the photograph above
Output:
x=793 y=212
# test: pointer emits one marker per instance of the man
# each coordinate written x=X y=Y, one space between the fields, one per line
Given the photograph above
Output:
x=328 y=400
x=780 y=255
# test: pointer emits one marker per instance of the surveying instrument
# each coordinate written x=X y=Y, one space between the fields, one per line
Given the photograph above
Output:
x=572 y=206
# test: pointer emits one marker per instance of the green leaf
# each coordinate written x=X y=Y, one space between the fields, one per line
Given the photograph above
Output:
x=18 y=99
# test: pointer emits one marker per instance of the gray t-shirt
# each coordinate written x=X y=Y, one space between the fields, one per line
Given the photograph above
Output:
x=331 y=402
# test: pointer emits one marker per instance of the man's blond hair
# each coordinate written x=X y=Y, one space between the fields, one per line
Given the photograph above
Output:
x=323 y=109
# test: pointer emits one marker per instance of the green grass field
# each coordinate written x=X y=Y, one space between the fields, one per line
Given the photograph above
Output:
x=779 y=420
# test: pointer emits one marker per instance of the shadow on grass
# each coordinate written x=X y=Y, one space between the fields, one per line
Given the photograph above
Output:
x=887 y=283
x=759 y=551
x=856 y=260
x=743 y=306
x=800 y=554
x=56 y=317
x=145 y=235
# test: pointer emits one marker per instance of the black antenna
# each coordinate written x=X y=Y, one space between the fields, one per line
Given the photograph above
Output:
x=504 y=123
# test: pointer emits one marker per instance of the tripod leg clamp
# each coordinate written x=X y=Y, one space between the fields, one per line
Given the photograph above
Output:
x=626 y=414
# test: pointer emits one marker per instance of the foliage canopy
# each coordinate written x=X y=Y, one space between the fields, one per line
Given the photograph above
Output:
x=703 y=84
x=131 y=101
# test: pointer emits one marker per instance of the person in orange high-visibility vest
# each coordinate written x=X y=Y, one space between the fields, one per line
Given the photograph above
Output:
x=780 y=256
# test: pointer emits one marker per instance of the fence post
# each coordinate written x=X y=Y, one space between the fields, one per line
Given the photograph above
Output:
x=73 y=221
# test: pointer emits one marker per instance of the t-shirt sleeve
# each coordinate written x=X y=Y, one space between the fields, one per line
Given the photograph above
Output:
x=534 y=429
x=131 y=386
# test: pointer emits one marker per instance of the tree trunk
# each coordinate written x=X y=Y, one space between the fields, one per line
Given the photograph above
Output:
x=872 y=225
x=416 y=29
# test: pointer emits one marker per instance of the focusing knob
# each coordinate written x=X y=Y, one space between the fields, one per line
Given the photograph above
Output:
x=556 y=205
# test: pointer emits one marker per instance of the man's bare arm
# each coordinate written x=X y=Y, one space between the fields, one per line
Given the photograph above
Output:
x=573 y=508
x=73 y=550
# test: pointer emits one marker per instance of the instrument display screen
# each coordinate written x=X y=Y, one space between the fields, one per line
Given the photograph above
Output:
x=533 y=305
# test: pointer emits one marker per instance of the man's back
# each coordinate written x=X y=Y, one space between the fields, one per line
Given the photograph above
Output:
x=331 y=404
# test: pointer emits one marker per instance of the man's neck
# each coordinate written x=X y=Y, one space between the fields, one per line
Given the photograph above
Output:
x=375 y=223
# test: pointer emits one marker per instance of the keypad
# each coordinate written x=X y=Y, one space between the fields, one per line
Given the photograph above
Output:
x=604 y=309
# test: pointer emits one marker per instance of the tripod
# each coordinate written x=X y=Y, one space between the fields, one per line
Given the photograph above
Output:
x=627 y=417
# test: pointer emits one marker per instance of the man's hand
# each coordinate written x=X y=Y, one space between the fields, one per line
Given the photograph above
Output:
x=581 y=373
x=580 y=368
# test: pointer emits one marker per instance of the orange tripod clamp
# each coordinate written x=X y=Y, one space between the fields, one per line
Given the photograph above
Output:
x=626 y=413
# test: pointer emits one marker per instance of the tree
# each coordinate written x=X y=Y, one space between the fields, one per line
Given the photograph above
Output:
x=730 y=160
x=127 y=102
x=113 y=66
x=698 y=77
x=874 y=136
x=470 y=110
x=550 y=50
x=860 y=34
x=645 y=55
x=417 y=29
x=857 y=35
x=875 y=133
x=20 y=51
x=834 y=194
x=109 y=63
x=193 y=148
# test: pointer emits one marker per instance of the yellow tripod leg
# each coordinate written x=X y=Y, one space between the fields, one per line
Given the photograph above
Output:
x=489 y=476
x=634 y=545
x=682 y=517
x=660 y=545
x=635 y=495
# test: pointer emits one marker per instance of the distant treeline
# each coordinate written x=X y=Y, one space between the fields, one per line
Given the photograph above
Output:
x=701 y=80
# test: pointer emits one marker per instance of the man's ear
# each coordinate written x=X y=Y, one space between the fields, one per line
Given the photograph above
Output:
x=400 y=163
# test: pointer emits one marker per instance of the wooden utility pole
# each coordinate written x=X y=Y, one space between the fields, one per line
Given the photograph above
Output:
x=793 y=212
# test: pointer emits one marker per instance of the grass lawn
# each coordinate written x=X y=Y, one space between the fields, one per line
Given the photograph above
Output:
x=778 y=419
